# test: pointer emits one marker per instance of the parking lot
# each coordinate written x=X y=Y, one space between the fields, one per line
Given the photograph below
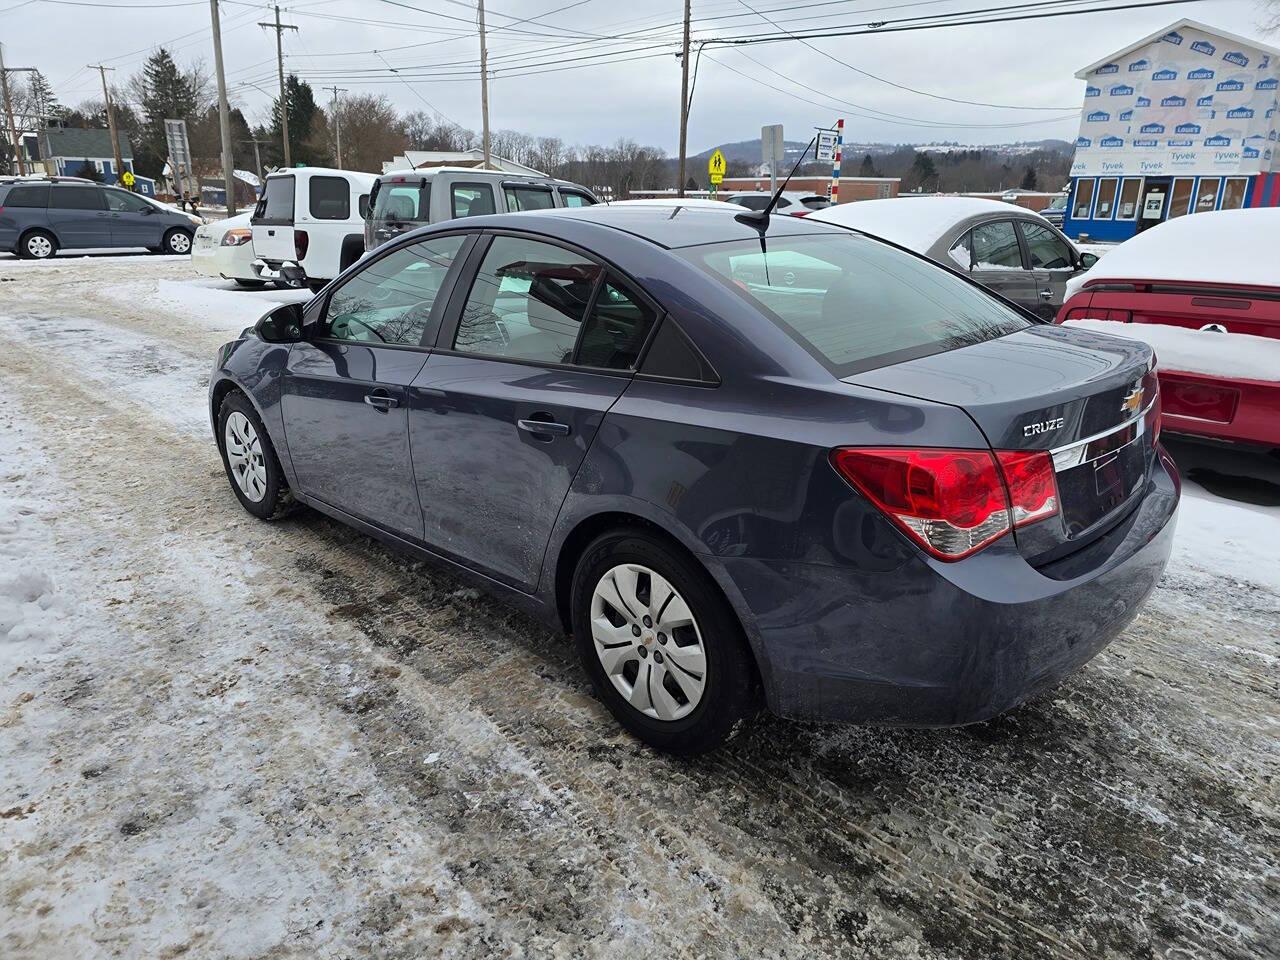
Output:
x=251 y=740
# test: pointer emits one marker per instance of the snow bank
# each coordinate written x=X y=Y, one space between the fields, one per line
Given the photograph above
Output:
x=1227 y=246
x=1236 y=355
x=29 y=604
x=1226 y=538
x=912 y=222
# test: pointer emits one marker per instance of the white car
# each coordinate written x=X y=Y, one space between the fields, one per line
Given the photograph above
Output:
x=224 y=248
x=309 y=224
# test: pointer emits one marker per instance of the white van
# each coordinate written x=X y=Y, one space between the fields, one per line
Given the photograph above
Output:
x=311 y=218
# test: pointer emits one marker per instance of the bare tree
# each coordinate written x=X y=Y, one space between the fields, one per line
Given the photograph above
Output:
x=372 y=132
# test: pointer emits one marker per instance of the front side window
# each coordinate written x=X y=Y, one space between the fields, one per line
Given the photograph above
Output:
x=403 y=201
x=76 y=198
x=1106 y=199
x=472 y=200
x=528 y=198
x=995 y=246
x=277 y=200
x=1127 y=209
x=121 y=201
x=390 y=300
x=575 y=199
x=1084 y=200
x=1047 y=250
x=330 y=198
x=856 y=303
x=1232 y=194
x=527 y=302
x=1206 y=195
x=1180 y=199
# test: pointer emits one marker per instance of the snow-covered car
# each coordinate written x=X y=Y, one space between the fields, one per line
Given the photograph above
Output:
x=1202 y=291
x=1011 y=250
x=224 y=248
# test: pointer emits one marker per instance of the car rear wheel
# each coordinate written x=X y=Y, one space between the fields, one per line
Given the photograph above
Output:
x=662 y=647
x=250 y=460
x=177 y=242
x=38 y=245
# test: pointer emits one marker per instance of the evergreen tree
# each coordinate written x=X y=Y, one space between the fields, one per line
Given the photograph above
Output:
x=923 y=172
x=164 y=93
x=302 y=120
x=1029 y=179
x=868 y=168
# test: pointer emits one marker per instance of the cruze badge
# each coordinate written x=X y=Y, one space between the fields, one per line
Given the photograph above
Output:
x=1132 y=401
x=1031 y=429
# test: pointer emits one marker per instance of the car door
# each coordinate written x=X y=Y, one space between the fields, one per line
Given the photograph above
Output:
x=134 y=222
x=344 y=391
x=1053 y=262
x=538 y=346
x=995 y=261
x=78 y=215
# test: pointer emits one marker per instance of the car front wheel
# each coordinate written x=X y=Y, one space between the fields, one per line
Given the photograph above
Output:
x=250 y=460
x=662 y=647
x=177 y=242
x=38 y=245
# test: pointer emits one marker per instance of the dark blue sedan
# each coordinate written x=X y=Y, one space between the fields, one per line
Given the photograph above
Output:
x=737 y=461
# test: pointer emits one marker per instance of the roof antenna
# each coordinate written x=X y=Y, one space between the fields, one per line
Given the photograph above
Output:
x=760 y=218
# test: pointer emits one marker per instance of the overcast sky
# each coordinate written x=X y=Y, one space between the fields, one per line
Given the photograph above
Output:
x=1027 y=64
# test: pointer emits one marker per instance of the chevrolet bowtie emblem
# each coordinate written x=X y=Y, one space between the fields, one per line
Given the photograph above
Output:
x=1132 y=401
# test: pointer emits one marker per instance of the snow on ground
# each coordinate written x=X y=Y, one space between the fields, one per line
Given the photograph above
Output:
x=223 y=738
x=1236 y=355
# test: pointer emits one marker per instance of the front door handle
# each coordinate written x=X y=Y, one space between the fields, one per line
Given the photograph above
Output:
x=381 y=400
x=543 y=428
x=1046 y=294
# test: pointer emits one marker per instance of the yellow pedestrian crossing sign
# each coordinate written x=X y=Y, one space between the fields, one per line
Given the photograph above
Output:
x=127 y=178
x=715 y=167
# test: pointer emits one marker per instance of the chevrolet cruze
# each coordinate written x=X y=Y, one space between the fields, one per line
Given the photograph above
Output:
x=738 y=459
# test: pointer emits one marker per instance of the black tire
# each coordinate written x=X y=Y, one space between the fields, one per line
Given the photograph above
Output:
x=250 y=284
x=731 y=692
x=278 y=499
x=177 y=237
x=26 y=243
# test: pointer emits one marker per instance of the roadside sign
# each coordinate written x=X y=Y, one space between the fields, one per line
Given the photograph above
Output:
x=715 y=167
x=826 y=144
x=771 y=145
x=127 y=179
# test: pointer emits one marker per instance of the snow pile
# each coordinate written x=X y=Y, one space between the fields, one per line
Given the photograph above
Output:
x=916 y=223
x=1227 y=539
x=29 y=605
x=1227 y=246
x=1238 y=356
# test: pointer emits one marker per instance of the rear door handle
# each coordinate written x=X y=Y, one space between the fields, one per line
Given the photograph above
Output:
x=546 y=428
x=382 y=400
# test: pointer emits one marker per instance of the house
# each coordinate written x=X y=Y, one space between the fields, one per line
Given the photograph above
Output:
x=420 y=159
x=64 y=150
x=1179 y=122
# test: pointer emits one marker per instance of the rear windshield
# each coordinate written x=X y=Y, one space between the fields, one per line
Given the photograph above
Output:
x=277 y=200
x=856 y=303
x=402 y=201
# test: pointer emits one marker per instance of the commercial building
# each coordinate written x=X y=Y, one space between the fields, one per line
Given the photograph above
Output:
x=1182 y=121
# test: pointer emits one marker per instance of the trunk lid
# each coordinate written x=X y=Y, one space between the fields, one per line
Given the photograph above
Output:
x=272 y=221
x=1079 y=394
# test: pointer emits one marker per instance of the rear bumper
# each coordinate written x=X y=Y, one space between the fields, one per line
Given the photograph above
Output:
x=935 y=644
x=1243 y=411
x=271 y=269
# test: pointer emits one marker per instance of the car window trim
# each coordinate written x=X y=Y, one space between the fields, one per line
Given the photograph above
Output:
x=438 y=307
x=277 y=221
x=575 y=192
x=482 y=184
x=1024 y=224
x=462 y=289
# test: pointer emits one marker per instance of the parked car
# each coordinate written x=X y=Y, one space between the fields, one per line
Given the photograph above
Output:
x=1203 y=291
x=40 y=217
x=311 y=221
x=404 y=200
x=1056 y=211
x=882 y=494
x=224 y=248
x=1011 y=250
x=788 y=203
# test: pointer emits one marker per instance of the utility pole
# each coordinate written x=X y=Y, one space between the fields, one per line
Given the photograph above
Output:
x=111 y=118
x=280 y=28
x=224 y=113
x=257 y=157
x=8 y=108
x=684 y=99
x=337 y=123
x=484 y=84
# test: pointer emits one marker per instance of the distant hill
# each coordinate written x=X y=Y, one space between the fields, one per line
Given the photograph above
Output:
x=748 y=151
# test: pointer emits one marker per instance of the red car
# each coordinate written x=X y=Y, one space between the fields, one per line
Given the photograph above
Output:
x=1204 y=291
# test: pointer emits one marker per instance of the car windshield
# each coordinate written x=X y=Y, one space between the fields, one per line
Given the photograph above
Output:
x=856 y=303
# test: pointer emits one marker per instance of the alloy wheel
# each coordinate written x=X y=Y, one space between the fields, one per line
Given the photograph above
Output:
x=39 y=247
x=648 y=642
x=244 y=454
x=179 y=242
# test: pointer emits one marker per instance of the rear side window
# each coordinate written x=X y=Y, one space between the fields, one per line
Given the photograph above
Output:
x=528 y=198
x=571 y=198
x=472 y=200
x=616 y=328
x=330 y=198
x=277 y=200
x=855 y=303
x=673 y=356
x=1047 y=250
x=35 y=195
x=403 y=201
x=76 y=198
x=364 y=206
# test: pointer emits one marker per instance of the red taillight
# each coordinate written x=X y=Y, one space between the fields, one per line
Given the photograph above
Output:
x=953 y=502
x=1094 y=313
x=300 y=243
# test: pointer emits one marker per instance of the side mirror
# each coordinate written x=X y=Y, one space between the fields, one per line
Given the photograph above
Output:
x=292 y=272
x=1087 y=260
x=281 y=325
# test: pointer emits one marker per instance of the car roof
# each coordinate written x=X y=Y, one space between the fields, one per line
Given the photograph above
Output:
x=917 y=222
x=672 y=226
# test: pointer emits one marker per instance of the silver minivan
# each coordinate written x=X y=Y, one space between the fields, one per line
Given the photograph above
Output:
x=404 y=200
